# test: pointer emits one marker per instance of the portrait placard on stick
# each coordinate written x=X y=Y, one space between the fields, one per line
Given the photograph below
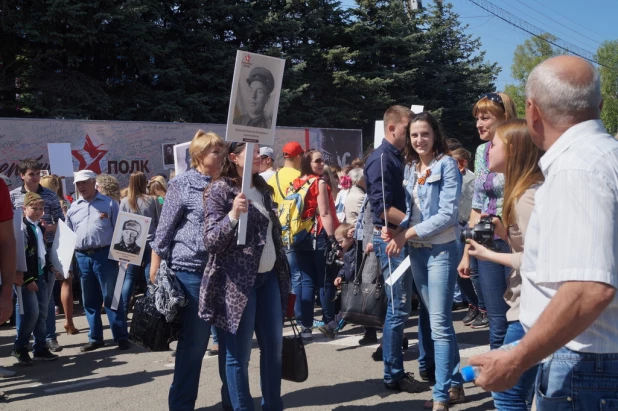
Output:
x=254 y=100
x=129 y=239
x=182 y=158
x=167 y=152
x=60 y=159
x=61 y=253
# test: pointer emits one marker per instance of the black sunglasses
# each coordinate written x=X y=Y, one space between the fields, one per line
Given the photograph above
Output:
x=495 y=97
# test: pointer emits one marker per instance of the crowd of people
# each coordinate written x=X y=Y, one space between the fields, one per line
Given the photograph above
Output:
x=549 y=181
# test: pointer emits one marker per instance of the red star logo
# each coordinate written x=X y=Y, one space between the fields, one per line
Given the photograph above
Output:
x=95 y=154
x=248 y=58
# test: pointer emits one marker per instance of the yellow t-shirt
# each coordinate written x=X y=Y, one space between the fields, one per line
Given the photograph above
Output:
x=286 y=176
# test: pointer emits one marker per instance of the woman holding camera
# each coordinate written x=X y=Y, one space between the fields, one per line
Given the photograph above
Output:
x=432 y=196
x=514 y=154
x=245 y=287
x=489 y=111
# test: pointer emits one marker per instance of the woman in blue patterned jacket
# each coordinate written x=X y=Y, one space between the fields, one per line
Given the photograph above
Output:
x=245 y=287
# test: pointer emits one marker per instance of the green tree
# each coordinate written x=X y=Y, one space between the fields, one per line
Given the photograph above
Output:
x=607 y=55
x=527 y=56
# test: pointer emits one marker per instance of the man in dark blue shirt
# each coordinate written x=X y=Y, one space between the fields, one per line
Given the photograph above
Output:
x=387 y=163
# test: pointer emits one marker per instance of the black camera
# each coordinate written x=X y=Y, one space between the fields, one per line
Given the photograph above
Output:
x=482 y=233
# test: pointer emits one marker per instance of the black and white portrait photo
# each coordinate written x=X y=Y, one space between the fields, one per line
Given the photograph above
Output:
x=253 y=96
x=131 y=231
x=129 y=239
x=254 y=99
x=182 y=158
x=168 y=155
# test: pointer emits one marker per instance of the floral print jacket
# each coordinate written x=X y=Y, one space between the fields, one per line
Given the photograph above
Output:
x=232 y=269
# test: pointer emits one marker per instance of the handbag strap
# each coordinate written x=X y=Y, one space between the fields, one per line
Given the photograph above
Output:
x=359 y=271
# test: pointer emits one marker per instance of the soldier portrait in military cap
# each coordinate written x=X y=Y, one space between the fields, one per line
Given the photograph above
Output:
x=259 y=85
x=129 y=238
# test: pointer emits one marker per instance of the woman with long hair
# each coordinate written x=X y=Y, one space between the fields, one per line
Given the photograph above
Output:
x=514 y=154
x=53 y=182
x=179 y=241
x=489 y=111
x=245 y=287
x=310 y=253
x=429 y=228
x=158 y=187
x=139 y=202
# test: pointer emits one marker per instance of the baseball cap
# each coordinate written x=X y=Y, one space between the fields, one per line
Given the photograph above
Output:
x=292 y=149
x=264 y=76
x=267 y=151
x=31 y=197
x=84 y=175
x=132 y=225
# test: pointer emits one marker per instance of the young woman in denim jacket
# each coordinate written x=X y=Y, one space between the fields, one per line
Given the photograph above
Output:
x=432 y=196
x=245 y=287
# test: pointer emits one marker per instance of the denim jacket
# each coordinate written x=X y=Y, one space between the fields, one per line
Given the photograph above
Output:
x=438 y=197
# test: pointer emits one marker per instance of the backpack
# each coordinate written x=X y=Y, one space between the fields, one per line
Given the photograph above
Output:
x=294 y=228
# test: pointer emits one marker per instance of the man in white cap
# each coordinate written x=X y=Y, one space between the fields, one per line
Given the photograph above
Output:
x=267 y=163
x=93 y=218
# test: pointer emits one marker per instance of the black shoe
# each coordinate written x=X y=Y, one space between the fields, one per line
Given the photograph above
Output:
x=459 y=306
x=473 y=312
x=91 y=346
x=428 y=375
x=22 y=355
x=480 y=321
x=377 y=355
x=368 y=339
x=407 y=384
x=405 y=343
x=52 y=345
x=44 y=355
x=123 y=345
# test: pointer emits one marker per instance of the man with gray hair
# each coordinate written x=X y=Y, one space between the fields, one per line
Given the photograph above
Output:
x=569 y=273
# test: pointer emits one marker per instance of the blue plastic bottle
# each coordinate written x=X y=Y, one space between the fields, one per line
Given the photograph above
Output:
x=471 y=373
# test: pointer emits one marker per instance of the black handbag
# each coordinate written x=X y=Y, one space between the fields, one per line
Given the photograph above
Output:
x=364 y=303
x=149 y=329
x=293 y=357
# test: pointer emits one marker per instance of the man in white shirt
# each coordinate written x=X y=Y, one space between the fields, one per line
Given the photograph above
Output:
x=267 y=163
x=569 y=274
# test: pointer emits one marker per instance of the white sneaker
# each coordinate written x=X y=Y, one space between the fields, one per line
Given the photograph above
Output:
x=306 y=334
x=4 y=373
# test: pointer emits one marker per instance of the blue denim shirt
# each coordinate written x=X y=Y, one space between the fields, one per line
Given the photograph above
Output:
x=93 y=222
x=438 y=197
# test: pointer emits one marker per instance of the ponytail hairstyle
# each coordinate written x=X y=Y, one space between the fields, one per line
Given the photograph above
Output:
x=230 y=173
x=522 y=164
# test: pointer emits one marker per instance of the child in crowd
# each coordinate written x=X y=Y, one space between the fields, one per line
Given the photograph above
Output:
x=345 y=237
x=33 y=285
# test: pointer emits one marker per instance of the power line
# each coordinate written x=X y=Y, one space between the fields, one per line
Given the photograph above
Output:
x=537 y=32
x=557 y=22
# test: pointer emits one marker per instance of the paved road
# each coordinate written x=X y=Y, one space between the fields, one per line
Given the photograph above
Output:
x=342 y=376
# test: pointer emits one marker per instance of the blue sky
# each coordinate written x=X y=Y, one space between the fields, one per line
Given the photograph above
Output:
x=582 y=23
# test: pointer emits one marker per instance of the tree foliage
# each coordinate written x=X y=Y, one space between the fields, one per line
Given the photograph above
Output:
x=173 y=60
x=607 y=55
x=527 y=56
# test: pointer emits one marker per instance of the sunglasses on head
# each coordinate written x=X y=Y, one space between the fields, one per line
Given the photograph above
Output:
x=495 y=97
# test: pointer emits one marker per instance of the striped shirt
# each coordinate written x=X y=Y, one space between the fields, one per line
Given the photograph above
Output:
x=573 y=230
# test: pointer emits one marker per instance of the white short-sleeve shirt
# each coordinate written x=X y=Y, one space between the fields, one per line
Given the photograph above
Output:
x=573 y=231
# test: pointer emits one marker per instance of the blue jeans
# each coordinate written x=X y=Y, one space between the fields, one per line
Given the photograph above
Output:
x=296 y=284
x=518 y=398
x=33 y=320
x=98 y=281
x=426 y=355
x=50 y=322
x=577 y=381
x=493 y=280
x=394 y=323
x=191 y=348
x=467 y=285
x=131 y=276
x=435 y=273
x=263 y=314
x=312 y=266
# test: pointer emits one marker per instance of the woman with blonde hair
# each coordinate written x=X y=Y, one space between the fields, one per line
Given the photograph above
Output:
x=514 y=154
x=139 y=202
x=158 y=187
x=66 y=285
x=179 y=241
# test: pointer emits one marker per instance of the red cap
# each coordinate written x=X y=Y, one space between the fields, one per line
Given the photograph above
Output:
x=292 y=149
